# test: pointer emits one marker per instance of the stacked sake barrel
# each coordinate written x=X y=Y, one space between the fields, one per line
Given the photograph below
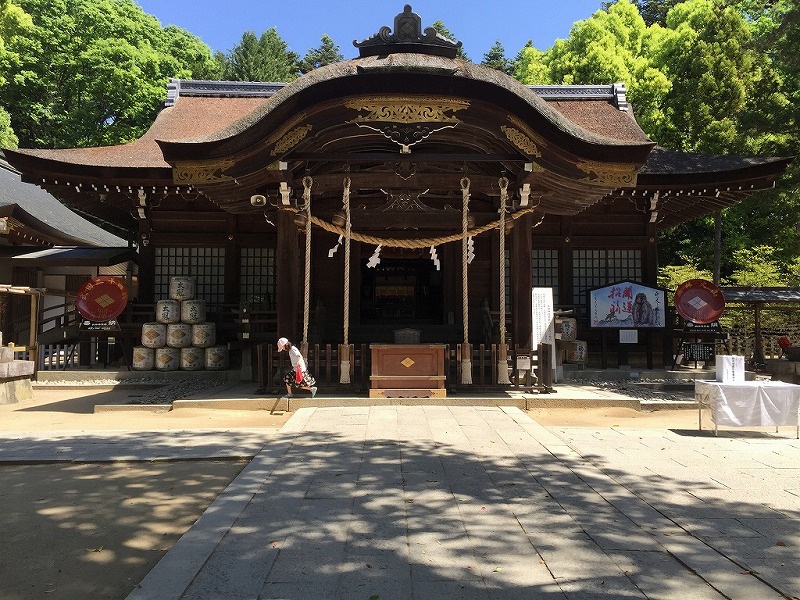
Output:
x=180 y=338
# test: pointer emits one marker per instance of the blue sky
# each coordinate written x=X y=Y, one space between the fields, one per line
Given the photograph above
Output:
x=301 y=23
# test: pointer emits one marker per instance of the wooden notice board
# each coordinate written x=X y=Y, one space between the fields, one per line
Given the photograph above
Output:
x=408 y=371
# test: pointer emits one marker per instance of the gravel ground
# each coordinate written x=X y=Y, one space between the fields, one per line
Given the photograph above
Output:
x=155 y=391
x=672 y=389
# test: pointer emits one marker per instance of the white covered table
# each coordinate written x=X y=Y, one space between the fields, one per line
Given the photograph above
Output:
x=749 y=403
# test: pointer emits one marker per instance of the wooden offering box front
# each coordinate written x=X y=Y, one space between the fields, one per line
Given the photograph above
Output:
x=408 y=371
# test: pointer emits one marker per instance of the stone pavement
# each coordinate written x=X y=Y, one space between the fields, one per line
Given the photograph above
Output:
x=436 y=502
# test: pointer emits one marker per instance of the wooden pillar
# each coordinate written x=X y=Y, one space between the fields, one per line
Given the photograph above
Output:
x=232 y=288
x=651 y=257
x=147 y=265
x=33 y=336
x=521 y=238
x=287 y=259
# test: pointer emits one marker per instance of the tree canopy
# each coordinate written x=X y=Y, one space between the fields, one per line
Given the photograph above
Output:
x=93 y=72
x=325 y=54
x=495 y=58
x=266 y=58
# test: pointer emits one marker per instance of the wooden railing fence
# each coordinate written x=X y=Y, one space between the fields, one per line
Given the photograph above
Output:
x=323 y=362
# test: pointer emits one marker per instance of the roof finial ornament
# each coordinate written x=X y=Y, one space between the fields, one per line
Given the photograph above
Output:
x=407 y=37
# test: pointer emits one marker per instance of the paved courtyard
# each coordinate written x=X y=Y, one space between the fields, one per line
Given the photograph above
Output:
x=419 y=502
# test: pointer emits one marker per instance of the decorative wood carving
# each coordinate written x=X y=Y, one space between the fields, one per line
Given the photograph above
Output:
x=413 y=109
x=521 y=141
x=407 y=121
x=189 y=173
x=617 y=174
x=291 y=139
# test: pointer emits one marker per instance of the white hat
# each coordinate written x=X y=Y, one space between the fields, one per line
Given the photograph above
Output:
x=281 y=343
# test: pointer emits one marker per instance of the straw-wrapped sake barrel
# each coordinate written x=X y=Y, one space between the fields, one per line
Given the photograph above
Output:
x=217 y=358
x=143 y=358
x=182 y=287
x=193 y=311
x=179 y=335
x=192 y=359
x=154 y=335
x=204 y=335
x=168 y=311
x=168 y=359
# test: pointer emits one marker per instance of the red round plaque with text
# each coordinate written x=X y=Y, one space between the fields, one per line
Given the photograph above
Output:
x=699 y=301
x=102 y=299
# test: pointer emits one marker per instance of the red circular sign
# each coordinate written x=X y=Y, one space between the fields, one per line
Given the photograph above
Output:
x=102 y=299
x=699 y=301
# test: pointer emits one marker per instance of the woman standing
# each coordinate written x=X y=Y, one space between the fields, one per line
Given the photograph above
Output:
x=299 y=370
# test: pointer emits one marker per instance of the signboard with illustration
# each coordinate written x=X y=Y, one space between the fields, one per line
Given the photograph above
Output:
x=627 y=305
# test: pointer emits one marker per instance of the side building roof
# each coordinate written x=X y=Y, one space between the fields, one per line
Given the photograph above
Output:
x=45 y=220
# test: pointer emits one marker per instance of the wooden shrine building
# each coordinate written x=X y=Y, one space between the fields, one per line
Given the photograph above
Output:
x=405 y=188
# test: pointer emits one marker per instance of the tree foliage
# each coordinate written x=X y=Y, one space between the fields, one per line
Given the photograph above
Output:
x=671 y=276
x=706 y=76
x=325 y=54
x=495 y=58
x=93 y=72
x=13 y=22
x=440 y=28
x=265 y=58
x=614 y=46
x=758 y=267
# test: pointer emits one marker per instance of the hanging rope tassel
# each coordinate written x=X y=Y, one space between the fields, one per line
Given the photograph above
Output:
x=344 y=353
x=502 y=358
x=466 y=354
x=307 y=183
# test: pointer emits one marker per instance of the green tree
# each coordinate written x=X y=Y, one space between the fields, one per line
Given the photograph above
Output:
x=13 y=22
x=671 y=276
x=610 y=46
x=495 y=58
x=440 y=28
x=93 y=72
x=706 y=52
x=758 y=266
x=652 y=11
x=325 y=54
x=734 y=93
x=267 y=58
x=530 y=67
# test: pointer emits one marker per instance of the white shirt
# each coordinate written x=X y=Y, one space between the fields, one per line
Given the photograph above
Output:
x=296 y=357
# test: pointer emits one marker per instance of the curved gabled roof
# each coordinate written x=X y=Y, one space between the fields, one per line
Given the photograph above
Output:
x=589 y=128
x=191 y=118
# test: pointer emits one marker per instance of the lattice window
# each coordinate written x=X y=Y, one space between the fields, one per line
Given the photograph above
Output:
x=206 y=265
x=257 y=276
x=544 y=270
x=596 y=268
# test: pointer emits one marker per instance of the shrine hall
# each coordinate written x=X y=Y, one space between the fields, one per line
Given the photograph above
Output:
x=402 y=192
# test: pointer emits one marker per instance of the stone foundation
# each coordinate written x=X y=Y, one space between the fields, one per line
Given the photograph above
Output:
x=15 y=378
x=782 y=369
